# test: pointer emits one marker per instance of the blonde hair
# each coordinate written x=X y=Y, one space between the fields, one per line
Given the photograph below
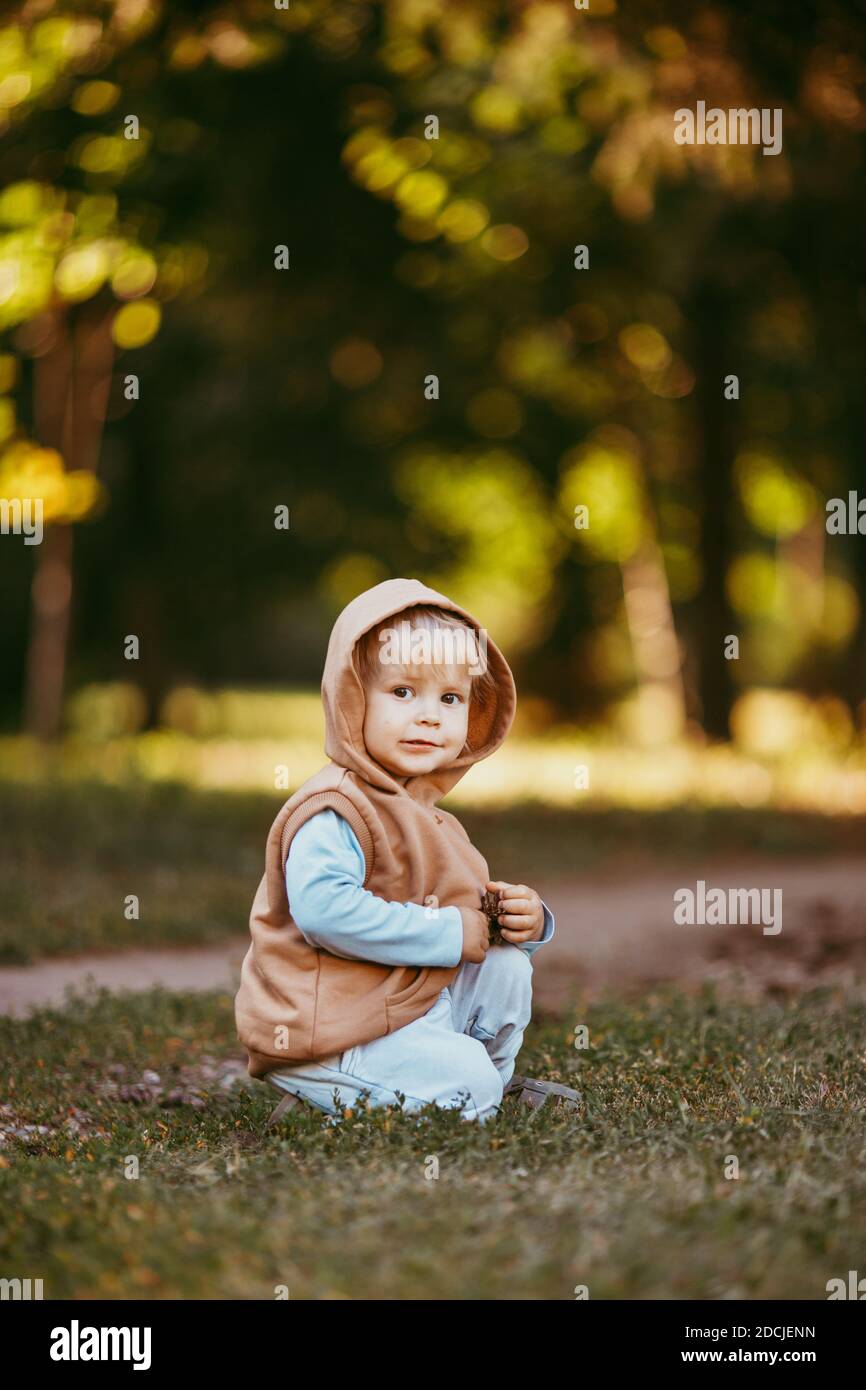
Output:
x=428 y=618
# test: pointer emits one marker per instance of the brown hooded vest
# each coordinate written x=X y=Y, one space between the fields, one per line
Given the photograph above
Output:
x=298 y=1002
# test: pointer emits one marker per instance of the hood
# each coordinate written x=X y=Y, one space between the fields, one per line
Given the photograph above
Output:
x=344 y=702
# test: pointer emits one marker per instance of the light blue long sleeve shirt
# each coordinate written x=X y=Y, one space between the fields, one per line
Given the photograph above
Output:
x=325 y=872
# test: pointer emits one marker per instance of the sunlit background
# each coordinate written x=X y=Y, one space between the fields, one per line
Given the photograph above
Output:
x=165 y=386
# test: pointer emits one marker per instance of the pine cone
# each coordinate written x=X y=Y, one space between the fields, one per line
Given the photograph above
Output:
x=490 y=908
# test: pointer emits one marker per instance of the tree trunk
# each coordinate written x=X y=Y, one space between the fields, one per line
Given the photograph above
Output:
x=72 y=381
x=717 y=421
x=655 y=648
x=51 y=589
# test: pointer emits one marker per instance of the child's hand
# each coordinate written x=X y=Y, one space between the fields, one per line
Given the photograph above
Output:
x=476 y=935
x=522 y=915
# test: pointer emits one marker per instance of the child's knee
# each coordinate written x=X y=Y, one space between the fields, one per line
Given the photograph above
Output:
x=513 y=970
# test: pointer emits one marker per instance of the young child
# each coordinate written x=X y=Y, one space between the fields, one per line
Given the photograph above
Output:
x=371 y=968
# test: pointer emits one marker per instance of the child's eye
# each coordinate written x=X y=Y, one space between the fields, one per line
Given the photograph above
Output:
x=401 y=689
x=452 y=695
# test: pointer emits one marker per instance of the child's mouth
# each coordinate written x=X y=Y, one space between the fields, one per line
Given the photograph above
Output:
x=419 y=743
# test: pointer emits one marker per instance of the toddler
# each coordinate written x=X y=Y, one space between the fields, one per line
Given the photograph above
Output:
x=371 y=968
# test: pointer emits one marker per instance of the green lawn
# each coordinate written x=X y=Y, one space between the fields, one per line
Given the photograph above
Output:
x=628 y=1196
x=71 y=853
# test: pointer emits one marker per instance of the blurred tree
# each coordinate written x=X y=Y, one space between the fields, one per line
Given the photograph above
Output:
x=453 y=256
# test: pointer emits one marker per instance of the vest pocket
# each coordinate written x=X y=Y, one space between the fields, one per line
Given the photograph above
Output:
x=394 y=1001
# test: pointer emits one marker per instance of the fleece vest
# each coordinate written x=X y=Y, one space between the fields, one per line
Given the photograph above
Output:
x=299 y=1002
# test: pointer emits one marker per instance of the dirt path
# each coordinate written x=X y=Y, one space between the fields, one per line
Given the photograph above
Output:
x=23 y=987
x=621 y=935
x=611 y=933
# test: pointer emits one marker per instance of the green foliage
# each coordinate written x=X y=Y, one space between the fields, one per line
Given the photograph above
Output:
x=452 y=256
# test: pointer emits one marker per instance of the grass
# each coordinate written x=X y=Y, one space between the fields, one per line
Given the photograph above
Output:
x=71 y=853
x=628 y=1196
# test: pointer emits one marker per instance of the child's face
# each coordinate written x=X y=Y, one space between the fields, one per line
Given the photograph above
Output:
x=416 y=721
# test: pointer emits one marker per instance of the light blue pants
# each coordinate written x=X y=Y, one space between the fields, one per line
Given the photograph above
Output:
x=460 y=1054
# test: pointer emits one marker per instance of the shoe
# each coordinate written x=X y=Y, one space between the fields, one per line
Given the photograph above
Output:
x=288 y=1102
x=535 y=1093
